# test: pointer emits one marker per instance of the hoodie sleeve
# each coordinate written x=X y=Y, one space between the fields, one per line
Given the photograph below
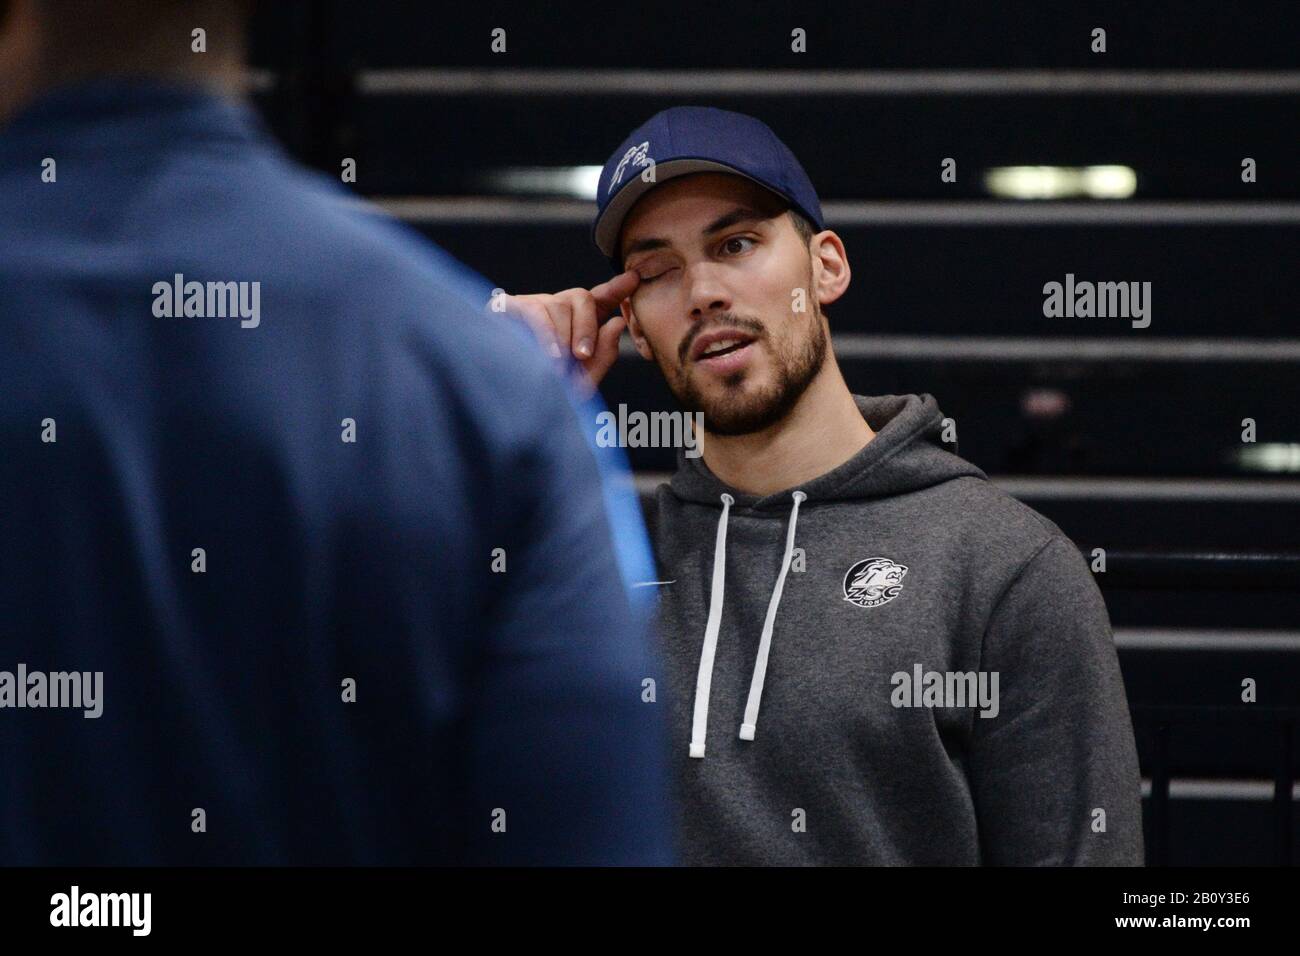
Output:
x=1058 y=762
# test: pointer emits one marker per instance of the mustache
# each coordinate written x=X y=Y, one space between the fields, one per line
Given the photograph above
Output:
x=726 y=321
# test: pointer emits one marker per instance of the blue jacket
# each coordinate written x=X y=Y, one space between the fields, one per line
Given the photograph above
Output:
x=335 y=541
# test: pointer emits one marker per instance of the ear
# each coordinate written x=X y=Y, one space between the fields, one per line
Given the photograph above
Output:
x=831 y=272
x=634 y=330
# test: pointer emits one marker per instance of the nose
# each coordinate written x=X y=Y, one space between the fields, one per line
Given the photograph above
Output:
x=708 y=294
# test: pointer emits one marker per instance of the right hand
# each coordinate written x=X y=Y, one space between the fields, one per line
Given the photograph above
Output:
x=571 y=320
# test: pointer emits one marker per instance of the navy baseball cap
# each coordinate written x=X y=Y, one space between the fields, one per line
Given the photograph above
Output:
x=696 y=139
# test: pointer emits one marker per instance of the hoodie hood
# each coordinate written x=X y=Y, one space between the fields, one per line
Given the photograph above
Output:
x=906 y=454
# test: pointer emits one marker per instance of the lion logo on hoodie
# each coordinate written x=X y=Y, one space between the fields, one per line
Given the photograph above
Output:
x=873 y=581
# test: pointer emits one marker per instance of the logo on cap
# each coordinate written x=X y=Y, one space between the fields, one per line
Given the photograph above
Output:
x=636 y=156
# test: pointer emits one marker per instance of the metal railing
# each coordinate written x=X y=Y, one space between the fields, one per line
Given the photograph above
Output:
x=1230 y=571
x=1159 y=722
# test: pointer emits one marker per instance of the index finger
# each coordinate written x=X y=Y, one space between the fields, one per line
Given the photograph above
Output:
x=610 y=295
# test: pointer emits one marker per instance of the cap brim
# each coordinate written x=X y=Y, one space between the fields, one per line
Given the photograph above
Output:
x=610 y=222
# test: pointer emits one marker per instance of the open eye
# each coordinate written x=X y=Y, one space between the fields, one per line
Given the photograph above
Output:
x=728 y=245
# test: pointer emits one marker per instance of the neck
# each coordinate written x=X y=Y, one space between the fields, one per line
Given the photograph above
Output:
x=225 y=76
x=823 y=431
x=27 y=89
x=36 y=59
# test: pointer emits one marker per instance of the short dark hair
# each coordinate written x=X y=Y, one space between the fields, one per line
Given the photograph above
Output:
x=773 y=205
x=802 y=225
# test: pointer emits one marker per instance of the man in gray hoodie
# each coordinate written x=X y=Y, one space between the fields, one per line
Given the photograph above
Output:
x=874 y=655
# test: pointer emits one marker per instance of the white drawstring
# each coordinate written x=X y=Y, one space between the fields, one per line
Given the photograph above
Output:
x=704 y=679
x=765 y=643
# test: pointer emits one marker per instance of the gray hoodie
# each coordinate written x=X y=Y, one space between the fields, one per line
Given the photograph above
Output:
x=896 y=663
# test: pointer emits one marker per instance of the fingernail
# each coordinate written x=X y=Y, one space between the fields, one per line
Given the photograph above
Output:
x=555 y=350
x=584 y=348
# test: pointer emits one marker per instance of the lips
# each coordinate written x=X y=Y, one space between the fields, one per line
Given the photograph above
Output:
x=713 y=345
x=726 y=362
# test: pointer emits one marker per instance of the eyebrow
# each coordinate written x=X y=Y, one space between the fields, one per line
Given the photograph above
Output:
x=726 y=221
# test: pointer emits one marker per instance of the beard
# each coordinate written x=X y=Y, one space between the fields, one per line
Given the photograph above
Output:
x=735 y=412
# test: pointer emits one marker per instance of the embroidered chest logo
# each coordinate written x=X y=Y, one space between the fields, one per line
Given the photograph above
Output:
x=873 y=582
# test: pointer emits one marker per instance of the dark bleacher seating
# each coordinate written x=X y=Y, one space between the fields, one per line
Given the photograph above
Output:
x=947 y=293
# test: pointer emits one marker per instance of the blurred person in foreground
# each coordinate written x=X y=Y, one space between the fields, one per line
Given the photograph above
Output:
x=286 y=577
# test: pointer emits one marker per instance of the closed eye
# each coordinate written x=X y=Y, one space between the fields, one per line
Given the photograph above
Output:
x=653 y=278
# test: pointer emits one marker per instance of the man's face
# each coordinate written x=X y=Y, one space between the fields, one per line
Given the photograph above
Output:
x=716 y=306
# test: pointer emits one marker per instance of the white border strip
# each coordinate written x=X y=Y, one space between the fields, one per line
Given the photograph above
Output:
x=1191 y=639
x=1129 y=489
x=425 y=81
x=942 y=348
x=480 y=210
x=1138 y=348
x=1148 y=489
x=1199 y=788
x=1088 y=212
